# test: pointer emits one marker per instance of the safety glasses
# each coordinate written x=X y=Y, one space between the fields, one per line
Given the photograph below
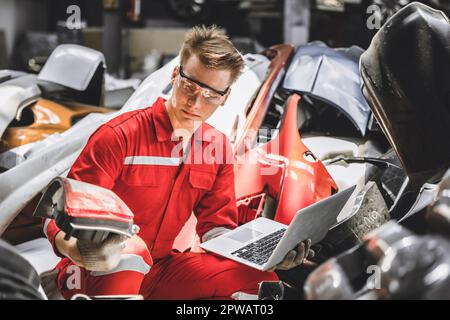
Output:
x=191 y=87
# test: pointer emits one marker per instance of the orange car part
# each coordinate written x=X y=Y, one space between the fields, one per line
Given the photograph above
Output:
x=44 y=118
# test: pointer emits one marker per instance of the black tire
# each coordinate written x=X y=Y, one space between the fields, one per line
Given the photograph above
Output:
x=18 y=279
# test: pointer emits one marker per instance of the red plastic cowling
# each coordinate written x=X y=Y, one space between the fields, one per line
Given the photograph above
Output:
x=84 y=200
x=85 y=211
x=284 y=168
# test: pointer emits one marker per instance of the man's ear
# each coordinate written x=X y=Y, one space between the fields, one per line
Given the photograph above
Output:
x=226 y=97
x=174 y=74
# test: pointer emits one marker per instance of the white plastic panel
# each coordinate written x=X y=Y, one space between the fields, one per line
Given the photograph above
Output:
x=72 y=66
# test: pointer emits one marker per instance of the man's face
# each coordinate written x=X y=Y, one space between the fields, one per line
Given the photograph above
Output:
x=196 y=89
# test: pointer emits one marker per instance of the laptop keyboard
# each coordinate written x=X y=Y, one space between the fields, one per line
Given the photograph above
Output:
x=260 y=251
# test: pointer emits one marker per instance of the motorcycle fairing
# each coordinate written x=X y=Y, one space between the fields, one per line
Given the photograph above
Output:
x=16 y=94
x=406 y=74
x=285 y=168
x=331 y=75
x=85 y=211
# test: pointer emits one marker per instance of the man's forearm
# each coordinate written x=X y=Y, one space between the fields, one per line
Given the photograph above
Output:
x=214 y=232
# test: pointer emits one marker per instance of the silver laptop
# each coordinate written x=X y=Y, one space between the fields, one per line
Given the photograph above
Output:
x=263 y=243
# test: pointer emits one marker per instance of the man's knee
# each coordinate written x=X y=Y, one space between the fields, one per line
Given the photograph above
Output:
x=254 y=276
x=239 y=277
x=249 y=281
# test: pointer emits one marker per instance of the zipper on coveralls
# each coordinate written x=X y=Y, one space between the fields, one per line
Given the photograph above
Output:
x=185 y=155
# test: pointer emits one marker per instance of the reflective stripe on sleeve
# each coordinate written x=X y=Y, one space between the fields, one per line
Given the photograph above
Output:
x=151 y=160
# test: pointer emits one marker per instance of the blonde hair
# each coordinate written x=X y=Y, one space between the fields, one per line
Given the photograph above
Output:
x=213 y=48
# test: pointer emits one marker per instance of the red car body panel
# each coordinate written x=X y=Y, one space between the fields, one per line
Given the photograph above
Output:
x=285 y=169
x=86 y=202
x=280 y=55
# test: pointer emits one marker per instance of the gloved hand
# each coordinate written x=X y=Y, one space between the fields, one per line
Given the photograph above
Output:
x=239 y=295
x=297 y=257
x=103 y=256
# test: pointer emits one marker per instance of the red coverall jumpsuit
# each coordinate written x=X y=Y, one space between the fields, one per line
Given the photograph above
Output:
x=133 y=155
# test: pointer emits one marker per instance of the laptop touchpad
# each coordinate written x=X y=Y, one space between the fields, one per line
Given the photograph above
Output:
x=244 y=235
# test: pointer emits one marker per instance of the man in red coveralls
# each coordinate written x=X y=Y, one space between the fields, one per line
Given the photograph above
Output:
x=149 y=158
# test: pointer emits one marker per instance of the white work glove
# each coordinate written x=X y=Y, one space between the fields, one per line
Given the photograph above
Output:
x=243 y=296
x=103 y=256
